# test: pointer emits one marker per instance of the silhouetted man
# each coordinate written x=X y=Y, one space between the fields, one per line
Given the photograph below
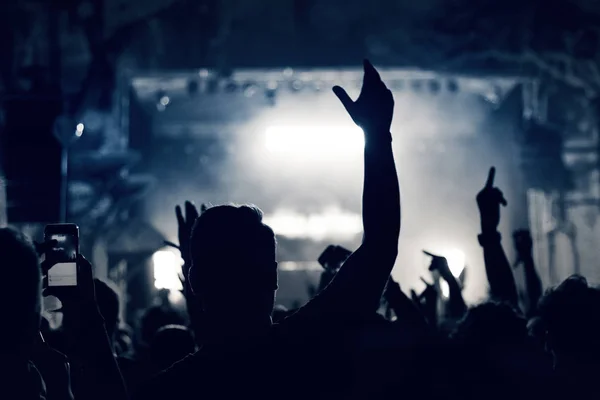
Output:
x=234 y=267
x=21 y=293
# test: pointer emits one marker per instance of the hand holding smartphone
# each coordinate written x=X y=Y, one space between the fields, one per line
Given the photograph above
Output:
x=62 y=258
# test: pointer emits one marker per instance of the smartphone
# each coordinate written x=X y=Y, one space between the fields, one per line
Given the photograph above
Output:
x=333 y=256
x=63 y=257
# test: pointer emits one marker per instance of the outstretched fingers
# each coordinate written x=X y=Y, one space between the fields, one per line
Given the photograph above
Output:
x=191 y=212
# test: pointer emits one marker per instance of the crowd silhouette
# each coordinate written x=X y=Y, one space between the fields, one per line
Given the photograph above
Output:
x=235 y=342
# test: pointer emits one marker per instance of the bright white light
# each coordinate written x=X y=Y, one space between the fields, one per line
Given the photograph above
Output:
x=79 y=129
x=314 y=139
x=456 y=261
x=332 y=223
x=165 y=100
x=167 y=268
x=445 y=289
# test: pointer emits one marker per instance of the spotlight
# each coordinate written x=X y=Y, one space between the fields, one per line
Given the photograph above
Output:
x=312 y=139
x=434 y=86
x=167 y=268
x=249 y=89
x=456 y=262
x=79 y=129
x=417 y=85
x=453 y=86
x=271 y=94
x=319 y=85
x=493 y=95
x=297 y=85
x=288 y=72
x=162 y=100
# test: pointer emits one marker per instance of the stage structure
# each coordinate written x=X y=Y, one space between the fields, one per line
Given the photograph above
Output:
x=279 y=139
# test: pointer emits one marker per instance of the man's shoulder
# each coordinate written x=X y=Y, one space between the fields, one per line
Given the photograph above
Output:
x=171 y=381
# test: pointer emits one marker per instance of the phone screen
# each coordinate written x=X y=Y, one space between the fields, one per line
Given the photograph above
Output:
x=64 y=258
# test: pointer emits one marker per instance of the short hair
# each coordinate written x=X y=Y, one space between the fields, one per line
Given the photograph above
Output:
x=109 y=305
x=170 y=344
x=491 y=323
x=22 y=289
x=569 y=314
x=230 y=241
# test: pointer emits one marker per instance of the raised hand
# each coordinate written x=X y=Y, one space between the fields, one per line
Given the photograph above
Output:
x=374 y=108
x=489 y=201
x=439 y=264
x=44 y=247
x=185 y=224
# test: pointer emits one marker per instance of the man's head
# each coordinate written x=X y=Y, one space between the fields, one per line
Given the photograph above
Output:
x=109 y=305
x=21 y=294
x=234 y=263
x=571 y=323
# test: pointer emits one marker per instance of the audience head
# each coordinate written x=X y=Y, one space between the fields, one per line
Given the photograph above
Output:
x=170 y=344
x=109 y=306
x=155 y=318
x=571 y=323
x=22 y=291
x=491 y=324
x=234 y=262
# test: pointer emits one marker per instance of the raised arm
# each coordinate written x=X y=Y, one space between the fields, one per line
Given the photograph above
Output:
x=500 y=277
x=524 y=249
x=360 y=282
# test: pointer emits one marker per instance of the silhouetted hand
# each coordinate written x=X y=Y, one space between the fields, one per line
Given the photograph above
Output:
x=44 y=247
x=392 y=291
x=427 y=301
x=439 y=264
x=523 y=245
x=374 y=108
x=430 y=293
x=185 y=224
x=489 y=201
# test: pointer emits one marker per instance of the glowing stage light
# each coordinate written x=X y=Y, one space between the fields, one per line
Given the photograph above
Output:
x=329 y=224
x=165 y=100
x=314 y=139
x=456 y=262
x=167 y=268
x=79 y=129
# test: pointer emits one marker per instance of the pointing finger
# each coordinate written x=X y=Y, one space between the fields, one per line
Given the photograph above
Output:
x=491 y=177
x=370 y=71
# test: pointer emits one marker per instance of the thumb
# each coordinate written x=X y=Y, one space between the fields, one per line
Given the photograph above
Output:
x=344 y=98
